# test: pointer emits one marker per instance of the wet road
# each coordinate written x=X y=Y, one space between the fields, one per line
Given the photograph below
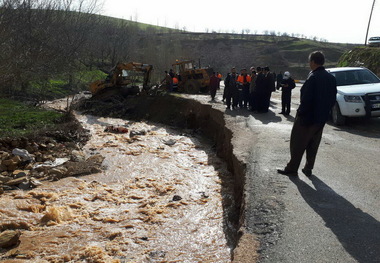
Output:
x=333 y=216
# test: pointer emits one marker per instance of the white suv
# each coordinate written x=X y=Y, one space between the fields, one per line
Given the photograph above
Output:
x=358 y=94
x=374 y=42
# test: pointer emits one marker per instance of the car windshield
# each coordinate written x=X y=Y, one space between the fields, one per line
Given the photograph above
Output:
x=355 y=77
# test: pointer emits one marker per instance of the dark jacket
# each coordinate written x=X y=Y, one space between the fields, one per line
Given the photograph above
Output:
x=279 y=78
x=269 y=83
x=318 y=96
x=291 y=85
x=230 y=81
x=260 y=83
x=214 y=82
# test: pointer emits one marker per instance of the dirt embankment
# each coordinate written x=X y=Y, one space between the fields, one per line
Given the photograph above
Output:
x=187 y=113
x=46 y=155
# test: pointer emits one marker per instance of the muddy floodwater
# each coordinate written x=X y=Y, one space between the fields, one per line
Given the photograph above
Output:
x=163 y=196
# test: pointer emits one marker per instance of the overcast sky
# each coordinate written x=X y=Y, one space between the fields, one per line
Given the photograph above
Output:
x=334 y=20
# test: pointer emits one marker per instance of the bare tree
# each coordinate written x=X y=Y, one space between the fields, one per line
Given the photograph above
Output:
x=41 y=39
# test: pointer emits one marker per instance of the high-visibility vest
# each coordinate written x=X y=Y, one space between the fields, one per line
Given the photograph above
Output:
x=220 y=76
x=175 y=80
x=241 y=79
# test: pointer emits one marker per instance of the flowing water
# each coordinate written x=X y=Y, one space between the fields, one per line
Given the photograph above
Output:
x=163 y=196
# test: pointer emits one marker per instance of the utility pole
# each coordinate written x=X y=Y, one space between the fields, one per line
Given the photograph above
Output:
x=369 y=22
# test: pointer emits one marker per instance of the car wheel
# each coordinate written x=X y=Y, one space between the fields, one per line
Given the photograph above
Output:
x=337 y=117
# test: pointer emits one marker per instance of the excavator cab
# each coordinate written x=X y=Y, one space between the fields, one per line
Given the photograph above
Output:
x=181 y=67
x=126 y=77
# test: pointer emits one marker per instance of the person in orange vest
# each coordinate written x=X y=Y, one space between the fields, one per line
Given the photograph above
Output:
x=244 y=81
x=175 y=83
x=168 y=82
x=220 y=78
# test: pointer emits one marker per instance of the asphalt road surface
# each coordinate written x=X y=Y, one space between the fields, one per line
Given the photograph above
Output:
x=332 y=216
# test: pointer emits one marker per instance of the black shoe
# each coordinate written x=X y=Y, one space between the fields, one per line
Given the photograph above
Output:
x=287 y=172
x=281 y=112
x=307 y=172
x=228 y=108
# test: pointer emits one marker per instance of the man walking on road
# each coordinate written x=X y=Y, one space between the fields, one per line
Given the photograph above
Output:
x=318 y=96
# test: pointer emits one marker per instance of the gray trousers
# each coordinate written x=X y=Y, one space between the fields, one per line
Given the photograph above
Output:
x=304 y=138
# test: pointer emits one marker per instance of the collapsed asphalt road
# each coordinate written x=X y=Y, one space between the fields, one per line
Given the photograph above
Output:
x=332 y=216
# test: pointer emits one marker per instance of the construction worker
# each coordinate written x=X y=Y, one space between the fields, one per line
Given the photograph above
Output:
x=219 y=75
x=231 y=89
x=171 y=73
x=168 y=81
x=220 y=78
x=244 y=81
x=175 y=83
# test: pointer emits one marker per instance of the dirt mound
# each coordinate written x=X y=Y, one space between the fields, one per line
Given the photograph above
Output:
x=46 y=155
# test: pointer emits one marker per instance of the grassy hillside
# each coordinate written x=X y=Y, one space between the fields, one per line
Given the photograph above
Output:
x=223 y=51
x=67 y=46
x=363 y=56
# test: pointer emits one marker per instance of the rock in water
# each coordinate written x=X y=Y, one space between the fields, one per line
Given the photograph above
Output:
x=169 y=142
x=9 y=238
x=177 y=198
x=137 y=133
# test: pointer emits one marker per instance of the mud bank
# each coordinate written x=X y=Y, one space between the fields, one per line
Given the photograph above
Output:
x=188 y=113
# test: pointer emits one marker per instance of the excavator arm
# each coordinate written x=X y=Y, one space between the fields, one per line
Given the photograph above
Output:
x=124 y=74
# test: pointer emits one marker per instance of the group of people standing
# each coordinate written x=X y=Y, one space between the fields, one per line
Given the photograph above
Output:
x=253 y=91
x=250 y=91
x=318 y=96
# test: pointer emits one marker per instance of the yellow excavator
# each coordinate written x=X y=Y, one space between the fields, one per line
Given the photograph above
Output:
x=124 y=78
